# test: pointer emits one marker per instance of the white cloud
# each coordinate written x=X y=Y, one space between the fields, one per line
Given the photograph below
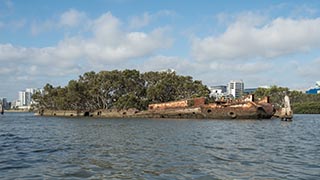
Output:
x=253 y=38
x=28 y=61
x=125 y=46
x=110 y=43
x=107 y=30
x=10 y=53
x=72 y=18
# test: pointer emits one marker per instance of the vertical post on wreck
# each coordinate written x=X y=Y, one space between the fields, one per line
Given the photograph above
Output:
x=286 y=112
x=2 y=107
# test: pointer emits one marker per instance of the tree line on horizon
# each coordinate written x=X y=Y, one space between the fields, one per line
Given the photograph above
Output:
x=119 y=90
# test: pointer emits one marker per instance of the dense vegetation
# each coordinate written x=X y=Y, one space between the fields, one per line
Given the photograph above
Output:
x=119 y=90
x=300 y=102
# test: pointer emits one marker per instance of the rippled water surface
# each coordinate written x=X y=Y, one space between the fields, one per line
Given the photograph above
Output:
x=84 y=148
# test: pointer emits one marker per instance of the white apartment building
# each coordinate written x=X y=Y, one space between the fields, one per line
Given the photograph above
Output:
x=236 y=88
x=25 y=97
x=22 y=98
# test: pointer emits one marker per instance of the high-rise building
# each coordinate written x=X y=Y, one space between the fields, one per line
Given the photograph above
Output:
x=5 y=103
x=22 y=99
x=236 y=88
x=30 y=92
x=25 y=97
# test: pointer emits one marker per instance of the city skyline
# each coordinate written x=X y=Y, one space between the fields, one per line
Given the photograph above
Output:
x=261 y=42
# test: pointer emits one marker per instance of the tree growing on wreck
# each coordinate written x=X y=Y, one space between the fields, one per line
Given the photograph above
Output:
x=121 y=90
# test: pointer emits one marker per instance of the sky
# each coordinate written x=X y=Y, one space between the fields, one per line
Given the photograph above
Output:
x=268 y=42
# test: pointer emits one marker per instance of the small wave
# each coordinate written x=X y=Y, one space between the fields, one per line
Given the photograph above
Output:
x=313 y=166
x=101 y=163
x=206 y=177
x=15 y=167
x=214 y=147
x=219 y=148
x=209 y=147
x=246 y=148
x=221 y=158
x=47 y=150
x=157 y=173
x=79 y=174
x=7 y=135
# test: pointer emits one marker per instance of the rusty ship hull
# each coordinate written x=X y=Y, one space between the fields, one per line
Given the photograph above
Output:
x=219 y=110
x=196 y=108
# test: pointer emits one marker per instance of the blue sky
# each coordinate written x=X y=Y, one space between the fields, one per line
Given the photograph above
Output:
x=259 y=42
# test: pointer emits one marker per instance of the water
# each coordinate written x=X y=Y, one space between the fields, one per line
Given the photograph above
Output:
x=85 y=148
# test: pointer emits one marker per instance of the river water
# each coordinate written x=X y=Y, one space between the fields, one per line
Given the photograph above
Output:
x=85 y=148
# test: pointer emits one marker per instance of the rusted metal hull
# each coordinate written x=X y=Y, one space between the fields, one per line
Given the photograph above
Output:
x=197 y=108
x=207 y=112
x=186 y=109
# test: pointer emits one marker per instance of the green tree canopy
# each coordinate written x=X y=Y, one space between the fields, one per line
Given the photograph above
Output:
x=121 y=90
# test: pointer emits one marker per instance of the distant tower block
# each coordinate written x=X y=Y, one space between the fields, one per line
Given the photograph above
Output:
x=236 y=88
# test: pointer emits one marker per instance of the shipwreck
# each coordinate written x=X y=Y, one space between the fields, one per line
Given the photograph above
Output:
x=246 y=108
x=196 y=108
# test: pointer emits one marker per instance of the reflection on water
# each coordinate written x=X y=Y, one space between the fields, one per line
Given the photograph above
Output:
x=83 y=148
